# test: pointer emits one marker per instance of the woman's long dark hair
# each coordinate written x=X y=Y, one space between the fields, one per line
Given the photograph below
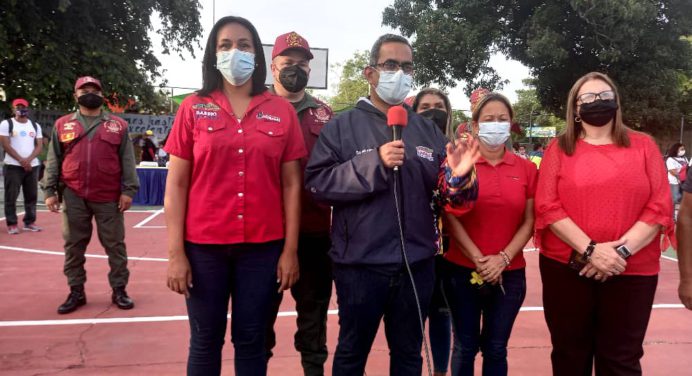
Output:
x=673 y=150
x=211 y=77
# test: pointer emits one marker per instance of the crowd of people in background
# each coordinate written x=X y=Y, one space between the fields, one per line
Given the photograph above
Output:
x=427 y=225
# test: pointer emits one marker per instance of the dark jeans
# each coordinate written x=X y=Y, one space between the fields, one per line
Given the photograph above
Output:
x=312 y=293
x=469 y=304
x=15 y=178
x=591 y=322
x=366 y=294
x=245 y=273
x=439 y=321
x=77 y=228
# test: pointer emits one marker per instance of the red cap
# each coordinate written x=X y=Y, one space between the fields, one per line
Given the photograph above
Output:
x=20 y=101
x=290 y=41
x=81 y=81
x=397 y=115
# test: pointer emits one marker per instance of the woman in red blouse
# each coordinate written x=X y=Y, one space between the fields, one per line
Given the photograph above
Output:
x=485 y=278
x=601 y=204
x=232 y=201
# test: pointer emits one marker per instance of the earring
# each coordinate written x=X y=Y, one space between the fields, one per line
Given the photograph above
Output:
x=577 y=119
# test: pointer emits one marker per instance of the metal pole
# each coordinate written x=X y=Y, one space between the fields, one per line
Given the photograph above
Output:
x=213 y=12
x=682 y=127
x=171 y=100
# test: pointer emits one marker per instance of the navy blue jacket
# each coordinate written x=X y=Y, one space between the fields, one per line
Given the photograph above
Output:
x=345 y=171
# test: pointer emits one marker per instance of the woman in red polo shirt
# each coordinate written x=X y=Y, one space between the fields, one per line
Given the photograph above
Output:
x=485 y=274
x=232 y=201
x=601 y=204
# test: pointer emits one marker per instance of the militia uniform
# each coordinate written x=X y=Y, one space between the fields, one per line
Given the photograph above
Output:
x=92 y=160
x=313 y=290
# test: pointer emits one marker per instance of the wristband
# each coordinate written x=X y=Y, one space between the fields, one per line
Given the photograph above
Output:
x=589 y=250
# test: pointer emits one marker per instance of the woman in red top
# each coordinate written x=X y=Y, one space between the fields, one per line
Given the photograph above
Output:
x=601 y=204
x=232 y=201
x=485 y=273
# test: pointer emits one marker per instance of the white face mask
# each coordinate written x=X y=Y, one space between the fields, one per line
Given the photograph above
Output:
x=236 y=66
x=681 y=153
x=393 y=87
x=493 y=133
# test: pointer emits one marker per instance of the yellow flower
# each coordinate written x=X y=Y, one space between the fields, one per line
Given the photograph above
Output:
x=476 y=279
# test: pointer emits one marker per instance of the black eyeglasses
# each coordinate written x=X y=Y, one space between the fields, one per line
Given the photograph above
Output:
x=607 y=95
x=393 y=66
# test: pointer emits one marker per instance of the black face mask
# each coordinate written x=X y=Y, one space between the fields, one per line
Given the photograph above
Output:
x=599 y=112
x=438 y=116
x=293 y=78
x=90 y=100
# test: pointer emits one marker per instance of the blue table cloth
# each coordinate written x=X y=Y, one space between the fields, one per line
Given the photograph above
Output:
x=152 y=186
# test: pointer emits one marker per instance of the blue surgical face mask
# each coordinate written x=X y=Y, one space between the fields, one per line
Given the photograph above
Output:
x=393 y=87
x=493 y=133
x=236 y=66
x=23 y=112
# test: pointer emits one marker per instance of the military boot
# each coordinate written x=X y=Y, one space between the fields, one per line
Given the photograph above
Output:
x=76 y=299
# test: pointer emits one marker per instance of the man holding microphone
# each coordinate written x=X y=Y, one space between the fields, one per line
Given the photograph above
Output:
x=384 y=221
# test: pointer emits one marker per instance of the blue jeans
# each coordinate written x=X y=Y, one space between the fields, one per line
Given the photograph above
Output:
x=245 y=273
x=468 y=305
x=366 y=294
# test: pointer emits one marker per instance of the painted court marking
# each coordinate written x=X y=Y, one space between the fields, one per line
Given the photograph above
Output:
x=55 y=253
x=149 y=219
x=130 y=320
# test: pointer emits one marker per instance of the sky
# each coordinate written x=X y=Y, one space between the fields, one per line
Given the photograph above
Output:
x=343 y=27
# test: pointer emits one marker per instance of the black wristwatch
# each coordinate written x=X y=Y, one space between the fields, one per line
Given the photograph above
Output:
x=623 y=251
x=589 y=250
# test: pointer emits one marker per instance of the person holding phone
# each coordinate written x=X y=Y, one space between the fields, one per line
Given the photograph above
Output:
x=602 y=202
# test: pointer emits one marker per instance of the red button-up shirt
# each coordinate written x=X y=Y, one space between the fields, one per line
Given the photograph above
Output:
x=499 y=211
x=605 y=190
x=235 y=193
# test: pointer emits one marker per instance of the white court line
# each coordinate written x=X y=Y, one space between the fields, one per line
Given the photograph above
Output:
x=148 y=219
x=18 y=214
x=54 y=253
x=669 y=258
x=130 y=320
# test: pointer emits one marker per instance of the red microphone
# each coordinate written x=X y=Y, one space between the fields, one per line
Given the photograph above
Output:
x=397 y=119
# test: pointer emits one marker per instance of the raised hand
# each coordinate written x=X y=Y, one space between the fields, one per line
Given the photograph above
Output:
x=463 y=156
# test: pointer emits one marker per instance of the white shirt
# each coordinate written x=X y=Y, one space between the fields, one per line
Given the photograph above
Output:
x=22 y=140
x=674 y=164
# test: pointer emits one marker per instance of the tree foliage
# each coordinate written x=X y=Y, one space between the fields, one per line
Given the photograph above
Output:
x=528 y=110
x=352 y=84
x=47 y=44
x=641 y=44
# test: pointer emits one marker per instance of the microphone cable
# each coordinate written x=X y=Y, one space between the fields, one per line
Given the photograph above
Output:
x=408 y=269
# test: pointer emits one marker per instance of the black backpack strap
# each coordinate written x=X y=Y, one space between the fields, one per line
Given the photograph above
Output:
x=11 y=127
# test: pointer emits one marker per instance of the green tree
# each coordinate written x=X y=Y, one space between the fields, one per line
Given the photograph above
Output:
x=641 y=44
x=352 y=84
x=528 y=109
x=47 y=44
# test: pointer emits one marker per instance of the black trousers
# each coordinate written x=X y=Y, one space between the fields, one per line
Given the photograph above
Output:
x=17 y=178
x=312 y=294
x=595 y=323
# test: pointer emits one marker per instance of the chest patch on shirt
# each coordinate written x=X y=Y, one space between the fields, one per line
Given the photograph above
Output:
x=206 y=106
x=113 y=126
x=275 y=119
x=425 y=153
x=206 y=114
x=68 y=126
x=67 y=137
x=321 y=114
